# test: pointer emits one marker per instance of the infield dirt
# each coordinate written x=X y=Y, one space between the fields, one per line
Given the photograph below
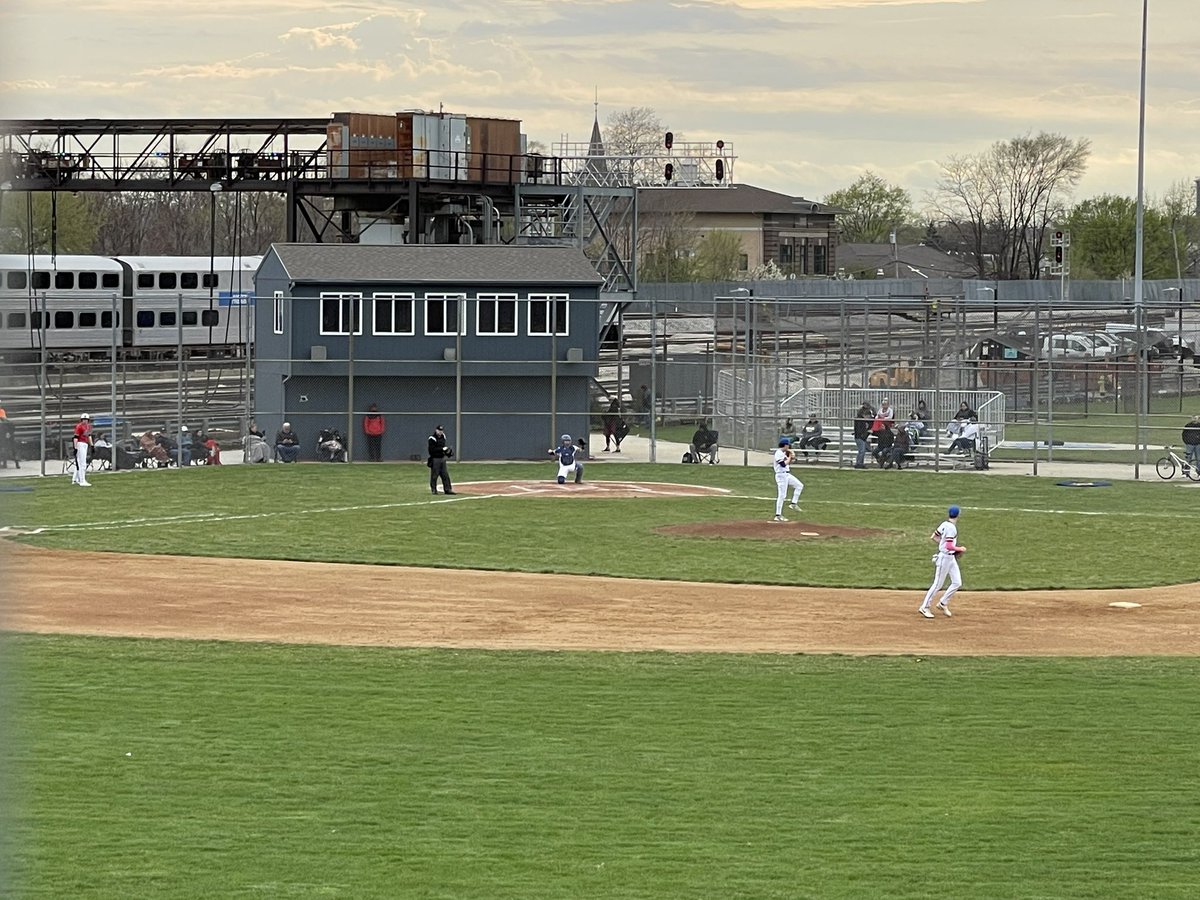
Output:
x=54 y=591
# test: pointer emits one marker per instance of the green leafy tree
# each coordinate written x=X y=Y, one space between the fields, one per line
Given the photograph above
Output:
x=42 y=222
x=718 y=256
x=873 y=207
x=1104 y=239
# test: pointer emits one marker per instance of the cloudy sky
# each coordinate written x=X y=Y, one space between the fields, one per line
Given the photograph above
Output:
x=810 y=92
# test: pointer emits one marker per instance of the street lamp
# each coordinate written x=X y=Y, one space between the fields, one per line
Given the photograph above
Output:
x=995 y=306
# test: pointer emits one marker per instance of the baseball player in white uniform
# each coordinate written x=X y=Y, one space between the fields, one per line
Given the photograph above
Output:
x=946 y=561
x=568 y=465
x=785 y=479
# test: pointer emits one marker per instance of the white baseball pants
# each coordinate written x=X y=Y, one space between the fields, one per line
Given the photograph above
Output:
x=784 y=480
x=947 y=566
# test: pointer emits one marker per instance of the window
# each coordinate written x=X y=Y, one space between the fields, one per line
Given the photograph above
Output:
x=166 y=281
x=743 y=262
x=496 y=314
x=145 y=280
x=167 y=318
x=64 y=281
x=209 y=280
x=87 y=281
x=210 y=318
x=41 y=281
x=277 y=312
x=442 y=313
x=189 y=281
x=336 y=313
x=110 y=280
x=541 y=307
x=106 y=319
x=145 y=318
x=16 y=320
x=87 y=320
x=393 y=314
x=786 y=253
x=39 y=321
x=16 y=281
x=64 y=318
x=190 y=317
x=818 y=259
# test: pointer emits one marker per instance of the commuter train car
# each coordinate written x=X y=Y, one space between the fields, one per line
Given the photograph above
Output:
x=72 y=304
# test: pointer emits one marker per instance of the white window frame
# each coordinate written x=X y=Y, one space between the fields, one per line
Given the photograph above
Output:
x=494 y=300
x=277 y=312
x=355 y=307
x=393 y=299
x=442 y=298
x=549 y=301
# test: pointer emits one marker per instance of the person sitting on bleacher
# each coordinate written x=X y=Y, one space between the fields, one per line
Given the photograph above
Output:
x=287 y=444
x=965 y=442
x=901 y=448
x=810 y=436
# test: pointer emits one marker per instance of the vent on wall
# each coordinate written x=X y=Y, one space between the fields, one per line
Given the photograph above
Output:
x=574 y=354
x=448 y=354
x=318 y=352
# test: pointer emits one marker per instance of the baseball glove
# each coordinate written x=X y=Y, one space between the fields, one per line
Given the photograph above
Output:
x=449 y=451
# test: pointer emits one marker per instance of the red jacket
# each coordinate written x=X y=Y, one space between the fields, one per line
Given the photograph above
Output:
x=373 y=424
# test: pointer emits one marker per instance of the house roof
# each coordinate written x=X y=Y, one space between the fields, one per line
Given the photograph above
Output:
x=490 y=263
x=920 y=260
x=736 y=198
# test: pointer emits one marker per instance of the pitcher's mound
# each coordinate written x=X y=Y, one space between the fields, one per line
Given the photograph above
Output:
x=767 y=530
x=593 y=489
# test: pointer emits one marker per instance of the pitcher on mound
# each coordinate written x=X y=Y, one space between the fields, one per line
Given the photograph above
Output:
x=785 y=479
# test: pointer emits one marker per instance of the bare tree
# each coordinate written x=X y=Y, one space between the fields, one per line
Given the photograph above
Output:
x=999 y=203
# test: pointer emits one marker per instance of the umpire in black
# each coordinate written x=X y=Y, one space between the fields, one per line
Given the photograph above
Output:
x=439 y=452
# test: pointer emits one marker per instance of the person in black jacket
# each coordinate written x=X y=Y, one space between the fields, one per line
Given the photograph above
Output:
x=862 y=433
x=1191 y=440
x=439 y=452
x=883 y=449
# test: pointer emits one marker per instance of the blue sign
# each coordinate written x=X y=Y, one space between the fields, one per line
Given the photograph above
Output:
x=235 y=298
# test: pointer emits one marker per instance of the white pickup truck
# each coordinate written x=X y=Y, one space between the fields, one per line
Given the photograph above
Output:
x=1075 y=345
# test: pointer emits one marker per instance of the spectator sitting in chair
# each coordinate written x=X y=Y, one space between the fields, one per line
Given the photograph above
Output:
x=287 y=444
x=704 y=443
x=915 y=426
x=810 y=436
x=789 y=431
x=169 y=446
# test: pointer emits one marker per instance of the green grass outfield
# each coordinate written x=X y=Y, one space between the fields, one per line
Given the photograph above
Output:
x=1022 y=532
x=174 y=769
x=181 y=769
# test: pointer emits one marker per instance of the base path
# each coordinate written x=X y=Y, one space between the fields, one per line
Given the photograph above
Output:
x=57 y=591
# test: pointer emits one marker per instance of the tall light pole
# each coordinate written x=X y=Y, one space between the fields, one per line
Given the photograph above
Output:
x=213 y=189
x=744 y=293
x=1139 y=302
x=1178 y=291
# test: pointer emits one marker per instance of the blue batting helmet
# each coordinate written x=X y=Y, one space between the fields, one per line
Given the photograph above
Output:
x=954 y=512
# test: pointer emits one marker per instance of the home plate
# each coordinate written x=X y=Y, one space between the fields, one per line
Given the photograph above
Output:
x=1125 y=604
x=811 y=533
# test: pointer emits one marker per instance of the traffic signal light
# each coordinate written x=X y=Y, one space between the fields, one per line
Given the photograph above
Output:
x=670 y=139
x=1058 y=255
x=720 y=170
x=669 y=172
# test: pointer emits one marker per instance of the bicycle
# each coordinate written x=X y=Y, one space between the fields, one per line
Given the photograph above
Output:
x=1168 y=464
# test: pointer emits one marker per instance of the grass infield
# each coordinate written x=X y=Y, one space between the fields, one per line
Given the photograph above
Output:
x=188 y=769
x=1022 y=532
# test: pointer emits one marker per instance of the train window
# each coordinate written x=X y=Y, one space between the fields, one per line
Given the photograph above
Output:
x=209 y=318
x=16 y=281
x=110 y=280
x=41 y=281
x=166 y=281
x=167 y=319
x=39 y=321
x=210 y=279
x=145 y=318
x=64 y=281
x=189 y=281
x=16 y=320
x=106 y=319
x=87 y=320
x=189 y=317
x=64 y=318
x=87 y=281
x=145 y=280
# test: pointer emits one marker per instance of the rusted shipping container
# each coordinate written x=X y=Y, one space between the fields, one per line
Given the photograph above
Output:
x=363 y=145
x=495 y=150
